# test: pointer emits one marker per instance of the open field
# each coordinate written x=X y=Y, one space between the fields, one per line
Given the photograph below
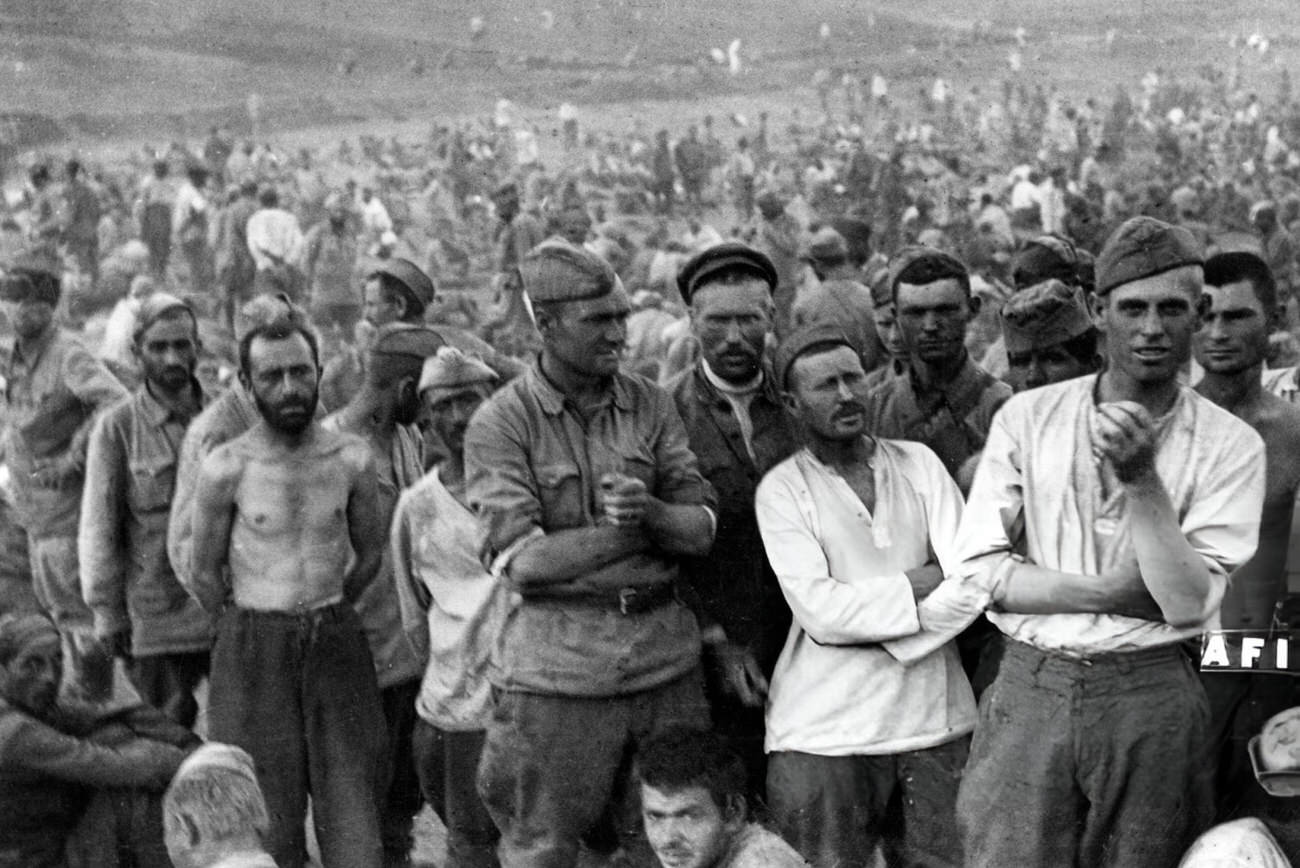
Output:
x=153 y=70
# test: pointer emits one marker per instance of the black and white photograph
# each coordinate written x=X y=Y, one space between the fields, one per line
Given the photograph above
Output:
x=649 y=434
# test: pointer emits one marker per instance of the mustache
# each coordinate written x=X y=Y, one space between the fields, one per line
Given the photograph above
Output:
x=851 y=408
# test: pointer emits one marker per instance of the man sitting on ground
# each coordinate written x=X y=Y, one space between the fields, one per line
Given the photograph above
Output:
x=73 y=782
x=693 y=804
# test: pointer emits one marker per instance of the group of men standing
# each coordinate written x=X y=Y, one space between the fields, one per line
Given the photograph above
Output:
x=776 y=546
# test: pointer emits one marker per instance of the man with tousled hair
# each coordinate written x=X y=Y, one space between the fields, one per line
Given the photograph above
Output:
x=941 y=398
x=692 y=793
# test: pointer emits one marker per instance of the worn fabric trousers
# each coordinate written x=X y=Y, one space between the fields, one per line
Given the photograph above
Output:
x=168 y=681
x=298 y=692
x=399 y=784
x=121 y=827
x=552 y=764
x=836 y=810
x=448 y=764
x=1086 y=762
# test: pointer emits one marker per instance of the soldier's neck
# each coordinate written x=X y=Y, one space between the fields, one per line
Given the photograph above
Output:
x=1234 y=390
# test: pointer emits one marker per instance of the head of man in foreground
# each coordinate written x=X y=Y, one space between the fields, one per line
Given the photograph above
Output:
x=214 y=812
x=692 y=797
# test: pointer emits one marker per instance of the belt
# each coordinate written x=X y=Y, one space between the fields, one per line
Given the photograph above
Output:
x=632 y=600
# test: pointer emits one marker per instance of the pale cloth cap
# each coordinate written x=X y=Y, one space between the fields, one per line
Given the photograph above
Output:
x=449 y=368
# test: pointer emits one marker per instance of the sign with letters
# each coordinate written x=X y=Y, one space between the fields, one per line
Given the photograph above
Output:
x=1251 y=651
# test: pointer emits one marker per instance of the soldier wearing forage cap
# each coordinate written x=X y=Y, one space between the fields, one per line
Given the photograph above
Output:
x=452 y=609
x=587 y=495
x=858 y=529
x=139 y=609
x=1109 y=511
x=383 y=414
x=55 y=388
x=738 y=430
x=1046 y=257
x=400 y=291
x=1049 y=336
x=941 y=398
x=1231 y=346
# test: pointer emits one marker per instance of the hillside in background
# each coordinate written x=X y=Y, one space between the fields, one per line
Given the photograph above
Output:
x=105 y=68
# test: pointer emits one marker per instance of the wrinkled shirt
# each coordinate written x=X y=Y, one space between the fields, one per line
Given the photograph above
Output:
x=126 y=578
x=952 y=420
x=53 y=393
x=836 y=690
x=1039 y=493
x=452 y=608
x=532 y=467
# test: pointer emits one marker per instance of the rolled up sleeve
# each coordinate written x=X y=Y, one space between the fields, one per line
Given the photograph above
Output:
x=101 y=536
x=502 y=489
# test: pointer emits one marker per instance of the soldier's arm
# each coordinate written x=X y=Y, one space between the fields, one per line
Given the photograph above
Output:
x=101 y=550
x=213 y=516
x=367 y=533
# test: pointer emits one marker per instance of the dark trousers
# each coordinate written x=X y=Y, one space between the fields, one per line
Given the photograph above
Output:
x=120 y=827
x=400 y=784
x=552 y=764
x=168 y=681
x=835 y=810
x=1088 y=763
x=744 y=728
x=298 y=693
x=448 y=762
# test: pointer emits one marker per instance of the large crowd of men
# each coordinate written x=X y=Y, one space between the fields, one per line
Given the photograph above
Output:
x=835 y=500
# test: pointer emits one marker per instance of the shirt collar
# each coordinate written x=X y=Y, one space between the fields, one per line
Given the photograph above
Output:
x=706 y=391
x=966 y=380
x=157 y=413
x=552 y=399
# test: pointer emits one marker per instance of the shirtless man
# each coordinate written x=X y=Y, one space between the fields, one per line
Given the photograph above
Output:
x=1240 y=310
x=293 y=681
